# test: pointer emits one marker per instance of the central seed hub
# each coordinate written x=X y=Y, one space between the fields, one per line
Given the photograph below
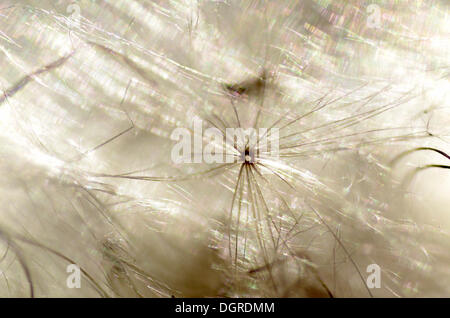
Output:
x=248 y=156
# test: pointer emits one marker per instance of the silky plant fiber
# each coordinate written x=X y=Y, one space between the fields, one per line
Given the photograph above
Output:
x=92 y=91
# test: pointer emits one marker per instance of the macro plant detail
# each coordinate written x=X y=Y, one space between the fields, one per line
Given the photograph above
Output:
x=91 y=125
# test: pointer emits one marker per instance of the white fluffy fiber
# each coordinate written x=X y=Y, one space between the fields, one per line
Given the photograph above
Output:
x=90 y=100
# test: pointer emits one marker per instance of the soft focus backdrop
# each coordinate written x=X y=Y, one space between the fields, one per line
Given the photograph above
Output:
x=91 y=91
